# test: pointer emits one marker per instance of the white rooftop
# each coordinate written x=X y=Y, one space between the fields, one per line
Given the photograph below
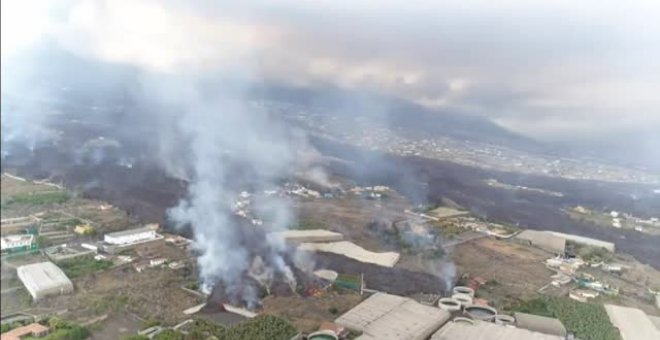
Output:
x=129 y=232
x=479 y=330
x=10 y=241
x=310 y=235
x=43 y=278
x=585 y=240
x=390 y=317
x=352 y=250
x=633 y=323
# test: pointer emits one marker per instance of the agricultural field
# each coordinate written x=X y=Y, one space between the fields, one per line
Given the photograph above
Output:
x=586 y=320
x=56 y=211
x=262 y=327
x=84 y=266
x=516 y=270
x=307 y=313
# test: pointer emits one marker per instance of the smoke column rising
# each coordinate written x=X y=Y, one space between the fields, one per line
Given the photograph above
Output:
x=222 y=132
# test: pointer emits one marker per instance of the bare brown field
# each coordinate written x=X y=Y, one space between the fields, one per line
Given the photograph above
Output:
x=516 y=271
x=351 y=216
x=307 y=313
x=153 y=293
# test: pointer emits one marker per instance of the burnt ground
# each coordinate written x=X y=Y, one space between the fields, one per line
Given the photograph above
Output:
x=146 y=192
x=394 y=280
x=425 y=180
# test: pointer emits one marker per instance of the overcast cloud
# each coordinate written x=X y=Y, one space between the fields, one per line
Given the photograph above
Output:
x=554 y=70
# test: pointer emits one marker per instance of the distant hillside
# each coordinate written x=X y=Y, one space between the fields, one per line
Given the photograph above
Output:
x=407 y=118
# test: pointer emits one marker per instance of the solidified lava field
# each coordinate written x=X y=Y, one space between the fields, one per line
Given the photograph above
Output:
x=395 y=280
x=146 y=192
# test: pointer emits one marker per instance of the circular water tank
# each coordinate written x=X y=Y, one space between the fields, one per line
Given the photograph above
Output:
x=464 y=299
x=463 y=290
x=449 y=304
x=503 y=319
x=480 y=312
x=323 y=335
x=463 y=320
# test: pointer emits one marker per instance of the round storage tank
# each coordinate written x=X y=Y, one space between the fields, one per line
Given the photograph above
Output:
x=323 y=335
x=463 y=320
x=463 y=290
x=449 y=304
x=480 y=312
x=464 y=299
x=503 y=319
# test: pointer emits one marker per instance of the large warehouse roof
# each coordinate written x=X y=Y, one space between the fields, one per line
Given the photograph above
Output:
x=633 y=323
x=311 y=235
x=352 y=250
x=43 y=279
x=479 y=330
x=656 y=321
x=585 y=240
x=544 y=240
x=129 y=232
x=540 y=324
x=390 y=317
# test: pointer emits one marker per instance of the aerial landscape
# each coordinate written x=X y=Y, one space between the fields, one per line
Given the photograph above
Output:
x=294 y=170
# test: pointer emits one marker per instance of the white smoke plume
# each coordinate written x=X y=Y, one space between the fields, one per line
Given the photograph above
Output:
x=191 y=70
x=224 y=135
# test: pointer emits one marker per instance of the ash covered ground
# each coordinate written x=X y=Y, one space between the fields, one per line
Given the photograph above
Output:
x=128 y=177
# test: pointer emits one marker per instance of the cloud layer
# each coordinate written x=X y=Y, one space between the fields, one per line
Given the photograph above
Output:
x=556 y=70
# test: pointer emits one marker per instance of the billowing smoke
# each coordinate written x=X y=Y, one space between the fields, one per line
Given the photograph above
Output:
x=448 y=274
x=231 y=148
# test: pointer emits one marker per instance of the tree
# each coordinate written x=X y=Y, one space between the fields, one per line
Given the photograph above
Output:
x=136 y=337
x=169 y=334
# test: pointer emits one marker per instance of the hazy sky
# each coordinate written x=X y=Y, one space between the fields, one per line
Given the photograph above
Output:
x=550 y=69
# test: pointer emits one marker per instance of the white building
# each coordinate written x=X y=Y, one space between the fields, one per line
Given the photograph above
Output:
x=461 y=328
x=130 y=236
x=633 y=323
x=44 y=279
x=10 y=242
x=609 y=246
x=384 y=316
x=157 y=262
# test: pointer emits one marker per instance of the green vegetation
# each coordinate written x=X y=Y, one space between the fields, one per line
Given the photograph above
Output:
x=192 y=285
x=492 y=283
x=169 y=334
x=38 y=198
x=135 y=337
x=586 y=320
x=262 y=327
x=308 y=224
x=109 y=303
x=333 y=310
x=72 y=222
x=84 y=266
x=348 y=281
x=436 y=253
x=42 y=241
x=150 y=323
x=447 y=229
x=6 y=327
x=202 y=329
x=65 y=330
x=594 y=254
